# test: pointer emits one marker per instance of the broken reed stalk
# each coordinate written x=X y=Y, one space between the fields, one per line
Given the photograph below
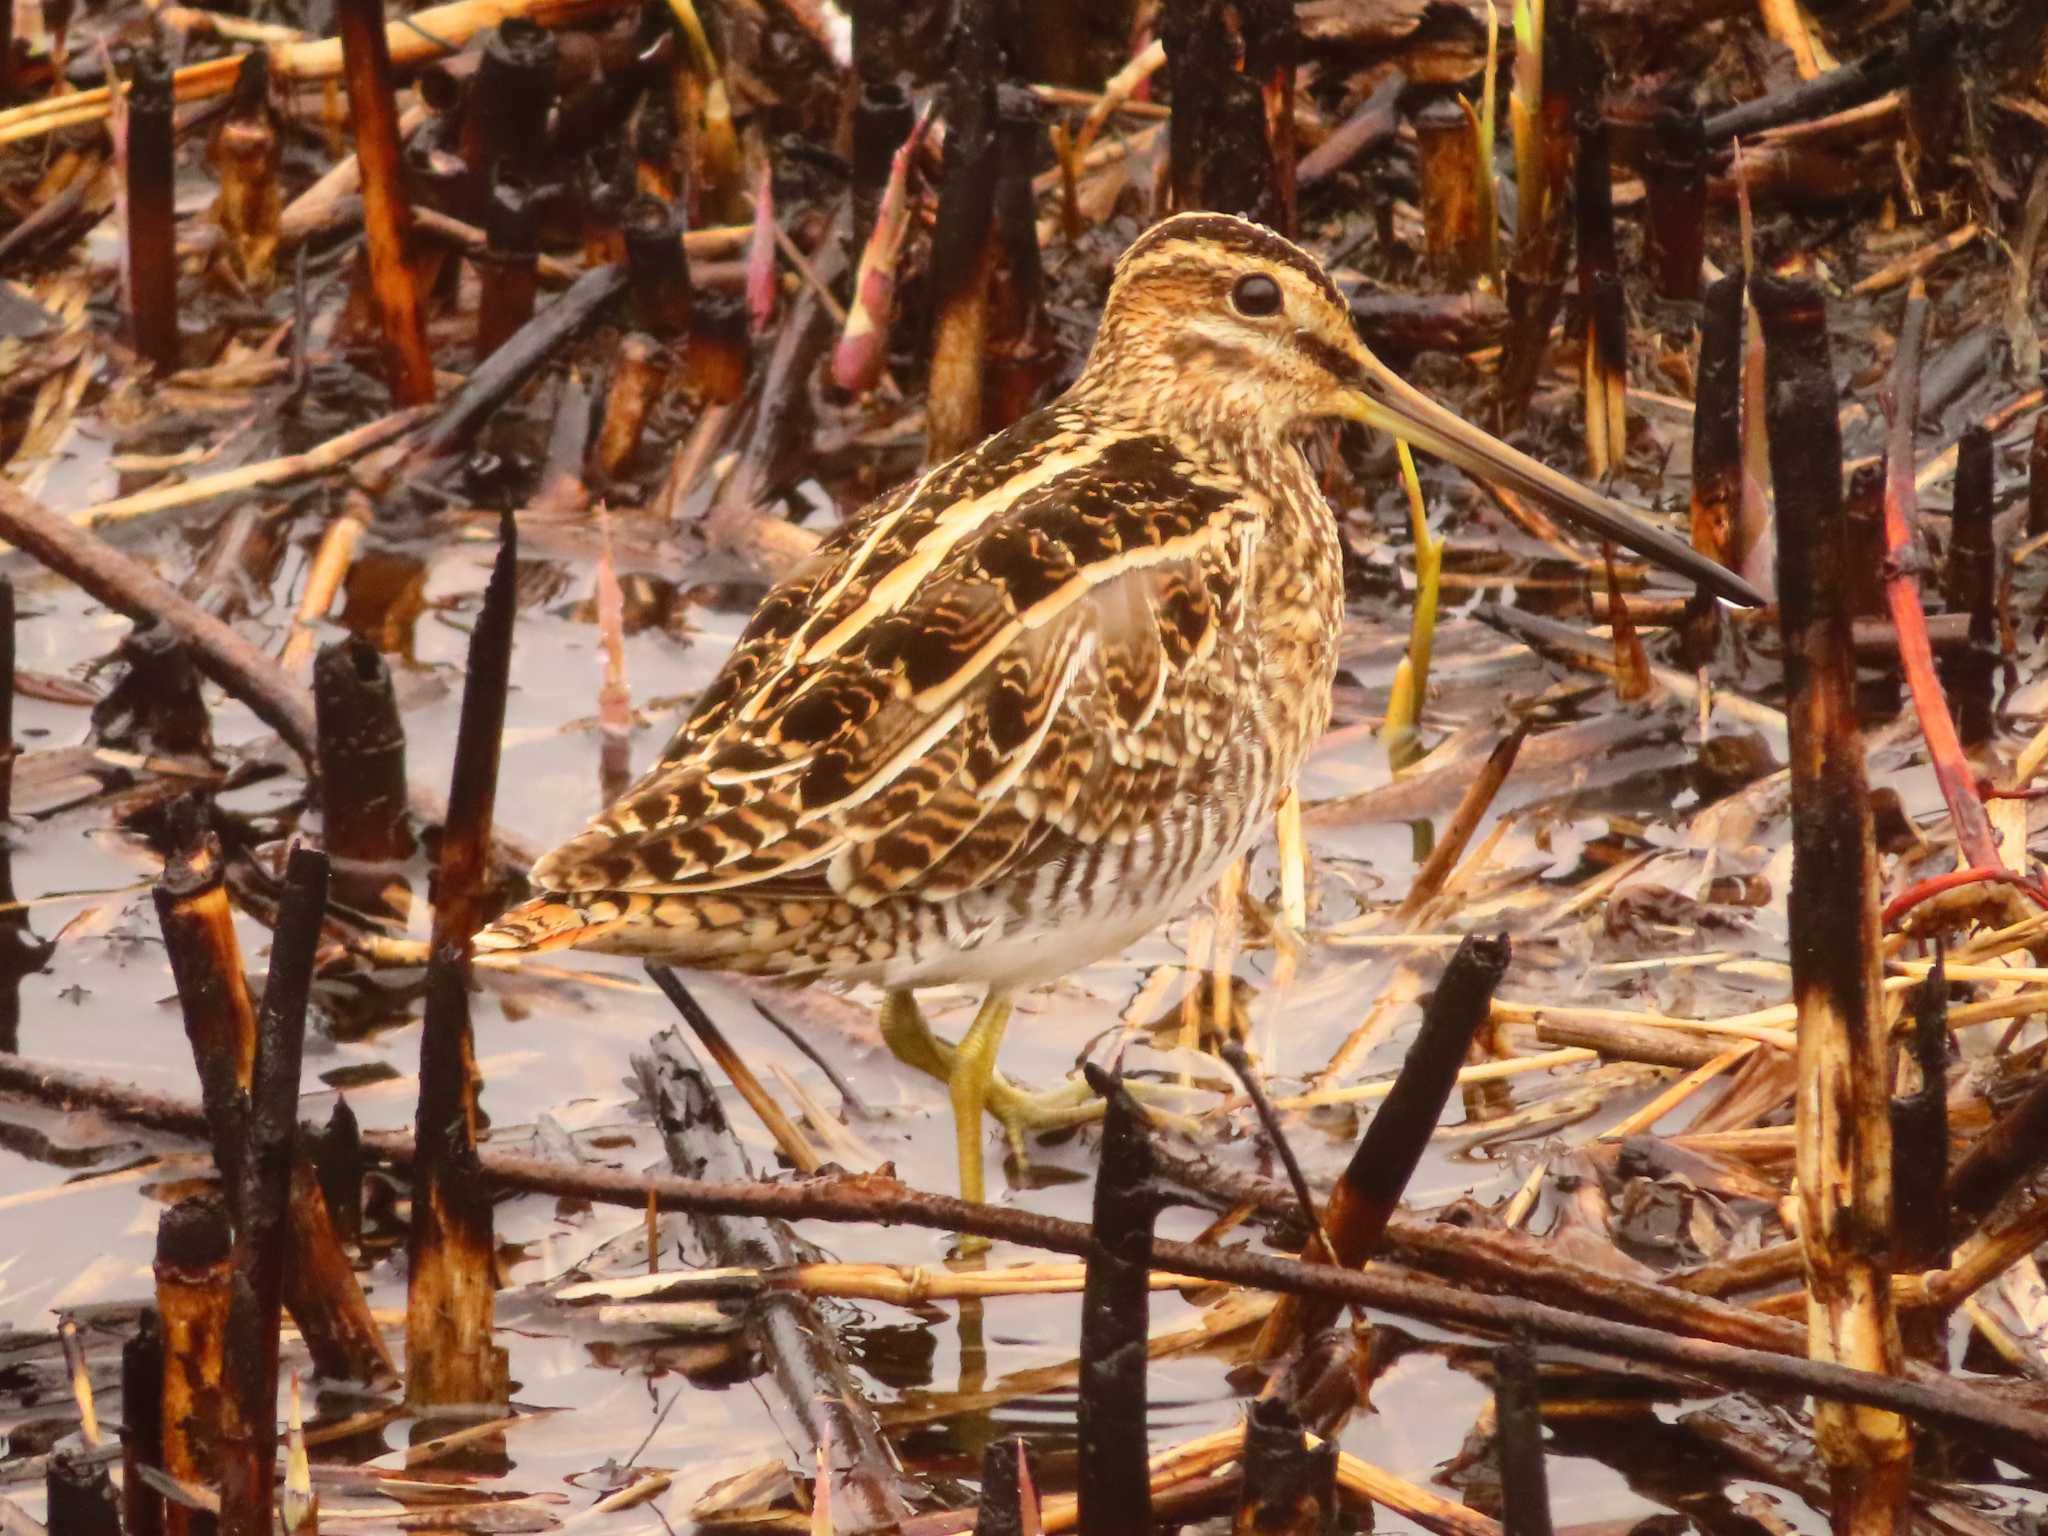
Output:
x=1934 y=92
x=1675 y=179
x=1716 y=453
x=508 y=267
x=963 y=254
x=1518 y=1439
x=1369 y=1190
x=142 y=1424
x=263 y=1188
x=193 y=1282
x=1970 y=585
x=1471 y=810
x=387 y=212
x=244 y=153
x=1539 y=115
x=1920 y=1162
x=363 y=804
x=792 y=1142
x=221 y=1021
x=1605 y=371
x=151 y=270
x=1110 y=1417
x=638 y=375
x=1843 y=1106
x=1290 y=1482
x=1455 y=237
x=1952 y=771
x=450 y=1356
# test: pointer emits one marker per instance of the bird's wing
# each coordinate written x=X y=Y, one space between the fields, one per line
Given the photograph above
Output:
x=969 y=668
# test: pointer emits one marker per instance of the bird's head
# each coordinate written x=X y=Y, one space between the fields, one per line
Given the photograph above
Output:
x=1220 y=324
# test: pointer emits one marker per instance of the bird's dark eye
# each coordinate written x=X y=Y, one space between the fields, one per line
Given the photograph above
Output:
x=1256 y=295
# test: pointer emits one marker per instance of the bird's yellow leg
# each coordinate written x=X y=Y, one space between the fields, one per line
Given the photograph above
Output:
x=912 y=1042
x=974 y=1064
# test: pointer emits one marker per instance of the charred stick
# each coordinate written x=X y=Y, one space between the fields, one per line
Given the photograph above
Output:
x=1272 y=51
x=338 y=1165
x=1219 y=154
x=362 y=755
x=1018 y=360
x=1934 y=90
x=194 y=1277
x=662 y=299
x=152 y=257
x=387 y=213
x=1863 y=575
x=1375 y=122
x=1970 y=585
x=809 y=1375
x=1606 y=346
x=262 y=1199
x=882 y=120
x=1518 y=1439
x=509 y=102
x=1368 y=1192
x=2037 y=479
x=1009 y=1490
x=142 y=1424
x=1716 y=451
x=450 y=1355
x=1290 y=1486
x=1449 y=156
x=510 y=364
x=1878 y=71
x=245 y=155
x=963 y=256
x=1675 y=179
x=1920 y=1161
x=80 y=1496
x=1112 y=1482
x=1952 y=769
x=1844 y=1123
x=508 y=267
x=1405 y=323
x=221 y=1022
x=657 y=149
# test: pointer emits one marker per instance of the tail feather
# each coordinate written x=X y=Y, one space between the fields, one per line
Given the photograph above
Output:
x=747 y=934
x=552 y=922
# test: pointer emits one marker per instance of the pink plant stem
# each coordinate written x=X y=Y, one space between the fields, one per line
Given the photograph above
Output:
x=1974 y=836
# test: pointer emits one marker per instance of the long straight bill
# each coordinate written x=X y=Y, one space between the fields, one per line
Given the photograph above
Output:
x=1389 y=402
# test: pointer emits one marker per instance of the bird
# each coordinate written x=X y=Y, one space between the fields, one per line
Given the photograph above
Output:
x=1021 y=710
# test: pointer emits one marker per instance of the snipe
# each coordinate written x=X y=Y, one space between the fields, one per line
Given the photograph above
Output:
x=1018 y=712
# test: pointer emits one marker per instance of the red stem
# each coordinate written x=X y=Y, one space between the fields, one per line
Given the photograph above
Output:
x=1974 y=837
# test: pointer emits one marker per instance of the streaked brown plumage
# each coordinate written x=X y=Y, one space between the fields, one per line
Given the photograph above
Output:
x=1014 y=714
